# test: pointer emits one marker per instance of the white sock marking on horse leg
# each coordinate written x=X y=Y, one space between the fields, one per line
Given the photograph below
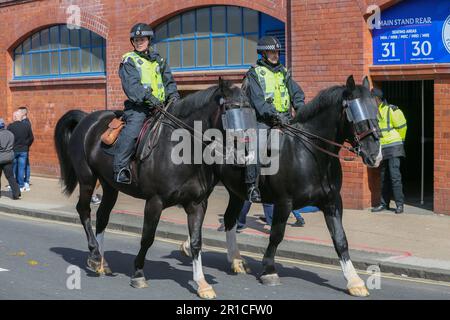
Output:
x=233 y=251
x=100 y=239
x=350 y=273
x=198 y=268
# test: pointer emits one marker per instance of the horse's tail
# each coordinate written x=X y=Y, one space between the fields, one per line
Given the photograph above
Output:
x=63 y=131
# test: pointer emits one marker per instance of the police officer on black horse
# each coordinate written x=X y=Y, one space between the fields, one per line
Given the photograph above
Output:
x=148 y=82
x=271 y=92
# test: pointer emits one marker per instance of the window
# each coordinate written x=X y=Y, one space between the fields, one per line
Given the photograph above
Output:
x=60 y=52
x=217 y=37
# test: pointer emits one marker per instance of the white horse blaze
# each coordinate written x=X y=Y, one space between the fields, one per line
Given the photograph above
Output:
x=198 y=268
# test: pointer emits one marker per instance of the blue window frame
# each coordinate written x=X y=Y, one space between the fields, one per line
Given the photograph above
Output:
x=214 y=38
x=59 y=52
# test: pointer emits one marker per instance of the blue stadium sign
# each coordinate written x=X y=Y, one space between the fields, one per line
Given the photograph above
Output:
x=413 y=32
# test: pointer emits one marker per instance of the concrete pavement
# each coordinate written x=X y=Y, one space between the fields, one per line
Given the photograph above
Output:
x=414 y=244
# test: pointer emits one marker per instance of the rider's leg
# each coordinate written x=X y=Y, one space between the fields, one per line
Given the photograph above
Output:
x=126 y=143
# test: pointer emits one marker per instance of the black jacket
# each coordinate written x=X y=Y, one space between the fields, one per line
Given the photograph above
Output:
x=254 y=91
x=23 y=136
x=135 y=91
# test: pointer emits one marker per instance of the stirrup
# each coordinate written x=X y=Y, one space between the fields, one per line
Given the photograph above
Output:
x=254 y=196
x=127 y=172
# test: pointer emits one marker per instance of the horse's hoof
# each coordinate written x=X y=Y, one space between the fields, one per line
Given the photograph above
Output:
x=207 y=293
x=107 y=270
x=96 y=266
x=270 y=280
x=185 y=251
x=359 y=291
x=239 y=266
x=138 y=283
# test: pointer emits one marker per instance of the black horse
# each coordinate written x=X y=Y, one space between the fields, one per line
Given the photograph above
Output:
x=307 y=176
x=156 y=179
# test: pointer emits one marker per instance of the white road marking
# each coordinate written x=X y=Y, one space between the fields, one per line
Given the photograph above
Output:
x=3 y=270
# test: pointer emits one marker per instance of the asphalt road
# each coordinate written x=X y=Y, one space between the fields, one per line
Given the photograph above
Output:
x=38 y=257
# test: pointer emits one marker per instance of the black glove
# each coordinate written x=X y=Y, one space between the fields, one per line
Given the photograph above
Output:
x=277 y=120
x=153 y=102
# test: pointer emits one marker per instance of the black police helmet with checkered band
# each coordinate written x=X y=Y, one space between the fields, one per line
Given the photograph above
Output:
x=141 y=30
x=268 y=43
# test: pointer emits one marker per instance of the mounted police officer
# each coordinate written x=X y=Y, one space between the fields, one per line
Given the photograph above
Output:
x=392 y=123
x=148 y=82
x=271 y=92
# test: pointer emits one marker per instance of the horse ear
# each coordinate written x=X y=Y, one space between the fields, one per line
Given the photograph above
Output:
x=351 y=85
x=366 y=82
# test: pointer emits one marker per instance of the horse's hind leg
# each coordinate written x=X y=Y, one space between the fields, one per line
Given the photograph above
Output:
x=152 y=213
x=281 y=213
x=84 y=211
x=238 y=264
x=196 y=214
x=333 y=218
x=104 y=210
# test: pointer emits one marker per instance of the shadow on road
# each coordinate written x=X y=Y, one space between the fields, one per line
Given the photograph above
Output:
x=122 y=263
x=218 y=261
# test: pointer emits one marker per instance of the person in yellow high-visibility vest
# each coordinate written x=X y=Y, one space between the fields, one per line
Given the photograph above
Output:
x=273 y=94
x=393 y=127
x=148 y=82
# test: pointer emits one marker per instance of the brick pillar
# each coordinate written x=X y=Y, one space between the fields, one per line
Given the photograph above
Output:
x=442 y=146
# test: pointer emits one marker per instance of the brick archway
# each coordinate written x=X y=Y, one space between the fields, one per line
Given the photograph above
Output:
x=154 y=13
x=54 y=16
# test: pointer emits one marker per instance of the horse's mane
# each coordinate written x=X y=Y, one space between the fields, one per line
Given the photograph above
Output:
x=194 y=102
x=325 y=99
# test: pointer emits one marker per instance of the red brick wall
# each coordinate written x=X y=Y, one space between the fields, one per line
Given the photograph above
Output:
x=46 y=104
x=328 y=46
x=442 y=146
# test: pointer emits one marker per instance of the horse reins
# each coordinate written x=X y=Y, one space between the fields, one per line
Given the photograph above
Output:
x=302 y=134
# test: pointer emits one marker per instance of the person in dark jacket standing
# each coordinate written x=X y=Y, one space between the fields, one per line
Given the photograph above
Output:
x=23 y=138
x=7 y=158
x=148 y=82
x=26 y=120
x=271 y=92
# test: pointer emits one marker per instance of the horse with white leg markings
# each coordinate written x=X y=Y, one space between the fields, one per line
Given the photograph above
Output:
x=83 y=162
x=310 y=173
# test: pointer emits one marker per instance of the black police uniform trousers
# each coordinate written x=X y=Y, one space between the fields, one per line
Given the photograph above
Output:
x=391 y=182
x=252 y=171
x=134 y=117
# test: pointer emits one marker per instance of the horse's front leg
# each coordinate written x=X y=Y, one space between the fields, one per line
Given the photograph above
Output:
x=196 y=214
x=333 y=217
x=152 y=214
x=235 y=205
x=281 y=213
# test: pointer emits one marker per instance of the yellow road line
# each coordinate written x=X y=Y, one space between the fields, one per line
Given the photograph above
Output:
x=245 y=253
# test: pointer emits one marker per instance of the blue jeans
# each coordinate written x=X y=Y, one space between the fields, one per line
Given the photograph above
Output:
x=19 y=166
x=27 y=170
x=268 y=212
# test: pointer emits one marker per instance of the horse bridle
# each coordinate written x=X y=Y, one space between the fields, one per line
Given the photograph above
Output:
x=358 y=137
x=355 y=144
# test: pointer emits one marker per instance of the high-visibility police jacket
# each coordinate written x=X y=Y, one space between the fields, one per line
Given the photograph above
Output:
x=392 y=124
x=274 y=87
x=271 y=90
x=146 y=79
